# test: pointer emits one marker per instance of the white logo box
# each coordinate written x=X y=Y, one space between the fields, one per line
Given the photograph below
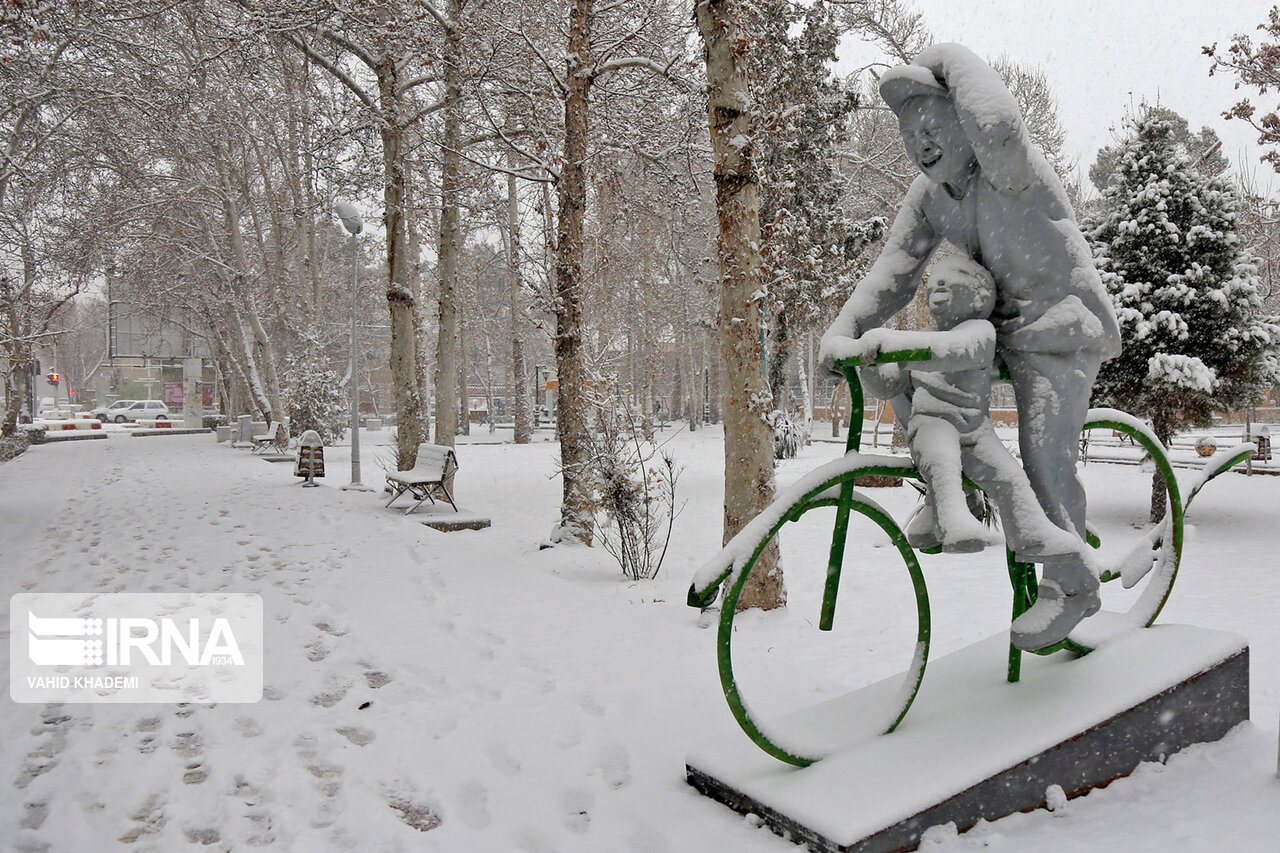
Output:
x=135 y=647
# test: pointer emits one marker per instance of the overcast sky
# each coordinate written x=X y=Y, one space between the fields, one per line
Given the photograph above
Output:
x=1101 y=56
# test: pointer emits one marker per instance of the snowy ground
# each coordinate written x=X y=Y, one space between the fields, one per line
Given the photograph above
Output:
x=527 y=699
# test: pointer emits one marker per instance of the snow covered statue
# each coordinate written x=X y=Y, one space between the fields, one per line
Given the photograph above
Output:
x=987 y=189
x=950 y=431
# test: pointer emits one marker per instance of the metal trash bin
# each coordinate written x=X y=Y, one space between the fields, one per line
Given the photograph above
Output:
x=310 y=462
x=1263 y=440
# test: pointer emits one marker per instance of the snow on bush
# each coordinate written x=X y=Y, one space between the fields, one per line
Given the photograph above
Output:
x=789 y=435
x=315 y=399
x=1181 y=371
x=12 y=446
x=1196 y=336
x=635 y=485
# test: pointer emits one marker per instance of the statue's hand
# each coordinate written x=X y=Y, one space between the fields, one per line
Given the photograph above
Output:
x=884 y=381
x=834 y=348
x=831 y=349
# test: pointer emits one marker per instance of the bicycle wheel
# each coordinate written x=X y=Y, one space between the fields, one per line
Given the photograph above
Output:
x=1158 y=556
x=832 y=485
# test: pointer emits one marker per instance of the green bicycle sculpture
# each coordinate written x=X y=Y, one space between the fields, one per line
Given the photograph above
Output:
x=833 y=485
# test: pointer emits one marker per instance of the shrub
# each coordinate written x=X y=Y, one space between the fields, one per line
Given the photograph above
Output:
x=12 y=446
x=635 y=484
x=314 y=399
x=789 y=435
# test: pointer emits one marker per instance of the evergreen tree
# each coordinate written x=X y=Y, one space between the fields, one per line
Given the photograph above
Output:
x=1196 y=339
x=1204 y=148
x=315 y=399
x=812 y=249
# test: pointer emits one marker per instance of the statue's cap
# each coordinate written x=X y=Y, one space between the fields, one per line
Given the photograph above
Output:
x=904 y=82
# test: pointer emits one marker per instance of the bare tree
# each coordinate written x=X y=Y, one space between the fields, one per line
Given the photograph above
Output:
x=390 y=54
x=607 y=49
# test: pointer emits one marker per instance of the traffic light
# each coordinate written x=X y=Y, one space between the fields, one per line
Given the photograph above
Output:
x=53 y=378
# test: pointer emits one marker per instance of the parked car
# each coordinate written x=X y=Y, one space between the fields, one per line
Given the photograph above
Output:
x=143 y=410
x=108 y=413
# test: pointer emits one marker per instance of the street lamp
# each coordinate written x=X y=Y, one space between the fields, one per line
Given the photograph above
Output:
x=354 y=223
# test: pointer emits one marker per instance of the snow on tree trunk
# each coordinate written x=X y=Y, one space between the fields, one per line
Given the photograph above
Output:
x=16 y=389
x=267 y=394
x=576 y=518
x=518 y=398
x=451 y=165
x=749 y=483
x=464 y=381
x=274 y=400
x=400 y=296
x=421 y=318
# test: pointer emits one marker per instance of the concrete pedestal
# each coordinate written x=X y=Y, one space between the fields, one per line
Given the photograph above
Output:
x=975 y=747
x=441 y=516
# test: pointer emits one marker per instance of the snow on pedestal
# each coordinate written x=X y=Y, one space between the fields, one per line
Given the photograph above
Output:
x=975 y=747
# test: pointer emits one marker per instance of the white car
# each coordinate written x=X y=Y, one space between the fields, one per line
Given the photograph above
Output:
x=108 y=413
x=143 y=410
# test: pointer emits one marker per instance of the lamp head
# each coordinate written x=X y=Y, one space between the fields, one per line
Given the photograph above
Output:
x=351 y=219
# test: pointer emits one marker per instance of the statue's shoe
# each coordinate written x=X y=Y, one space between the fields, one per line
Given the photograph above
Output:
x=1057 y=547
x=1052 y=617
x=968 y=536
x=922 y=529
x=964 y=545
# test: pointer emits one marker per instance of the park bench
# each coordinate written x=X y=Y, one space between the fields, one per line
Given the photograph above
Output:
x=277 y=437
x=428 y=479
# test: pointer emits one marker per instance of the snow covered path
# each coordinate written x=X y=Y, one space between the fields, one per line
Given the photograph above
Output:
x=409 y=682
x=468 y=692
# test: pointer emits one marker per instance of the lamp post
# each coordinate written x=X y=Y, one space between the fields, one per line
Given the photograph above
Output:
x=354 y=223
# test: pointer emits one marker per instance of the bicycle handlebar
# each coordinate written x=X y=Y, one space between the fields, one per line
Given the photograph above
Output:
x=849 y=367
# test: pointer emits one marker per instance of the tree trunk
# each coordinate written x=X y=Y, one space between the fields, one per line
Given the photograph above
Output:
x=464 y=381
x=17 y=382
x=647 y=351
x=1159 y=492
x=778 y=355
x=421 y=315
x=400 y=295
x=748 y=439
x=447 y=263
x=518 y=397
x=693 y=385
x=576 y=519
x=263 y=342
x=837 y=401
x=266 y=388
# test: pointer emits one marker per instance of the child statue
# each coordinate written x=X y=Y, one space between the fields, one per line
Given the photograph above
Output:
x=989 y=191
x=949 y=430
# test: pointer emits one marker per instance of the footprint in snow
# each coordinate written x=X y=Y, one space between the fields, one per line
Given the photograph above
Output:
x=473 y=805
x=52 y=734
x=501 y=759
x=614 y=764
x=334 y=691
x=316 y=651
x=415 y=811
x=34 y=814
x=576 y=804
x=377 y=678
x=357 y=735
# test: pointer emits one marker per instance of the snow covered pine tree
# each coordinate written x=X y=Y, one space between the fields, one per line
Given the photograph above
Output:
x=1196 y=339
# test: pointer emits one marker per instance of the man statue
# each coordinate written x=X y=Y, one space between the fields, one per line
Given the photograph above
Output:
x=988 y=190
